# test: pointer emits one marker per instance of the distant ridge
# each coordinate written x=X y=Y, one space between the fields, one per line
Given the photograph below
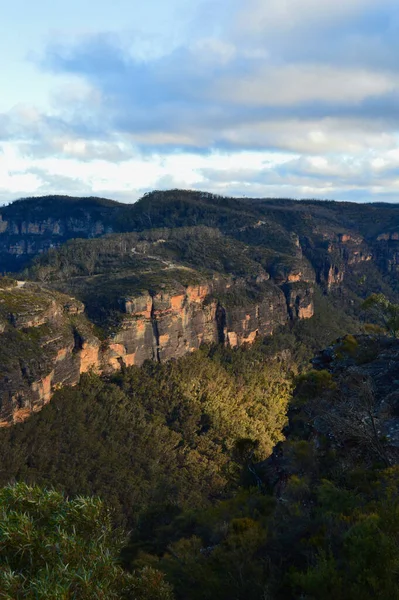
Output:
x=31 y=226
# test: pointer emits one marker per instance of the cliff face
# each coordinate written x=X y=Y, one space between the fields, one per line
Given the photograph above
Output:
x=345 y=252
x=387 y=251
x=20 y=241
x=33 y=226
x=333 y=236
x=190 y=268
x=166 y=325
x=45 y=342
x=341 y=256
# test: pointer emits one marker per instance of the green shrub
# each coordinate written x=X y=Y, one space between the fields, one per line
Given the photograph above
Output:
x=313 y=383
x=55 y=548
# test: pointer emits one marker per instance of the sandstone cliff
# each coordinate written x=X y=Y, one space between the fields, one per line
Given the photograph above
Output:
x=192 y=268
x=32 y=226
x=46 y=341
x=167 y=324
x=349 y=261
x=335 y=237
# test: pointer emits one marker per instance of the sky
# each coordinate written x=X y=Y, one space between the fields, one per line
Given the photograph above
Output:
x=257 y=98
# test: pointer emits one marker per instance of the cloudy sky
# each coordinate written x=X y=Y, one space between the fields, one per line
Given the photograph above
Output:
x=291 y=98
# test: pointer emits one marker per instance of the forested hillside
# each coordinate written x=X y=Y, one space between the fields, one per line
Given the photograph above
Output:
x=183 y=455
x=179 y=269
x=199 y=399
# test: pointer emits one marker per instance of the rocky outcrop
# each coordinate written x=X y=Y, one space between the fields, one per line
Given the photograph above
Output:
x=47 y=342
x=351 y=249
x=339 y=256
x=243 y=324
x=169 y=324
x=299 y=297
x=33 y=226
x=164 y=325
x=25 y=239
x=387 y=252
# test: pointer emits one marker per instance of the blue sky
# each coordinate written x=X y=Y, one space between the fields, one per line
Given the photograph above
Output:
x=291 y=98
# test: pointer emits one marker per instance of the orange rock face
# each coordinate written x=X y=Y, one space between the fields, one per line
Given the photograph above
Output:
x=345 y=238
x=170 y=324
x=250 y=338
x=306 y=312
x=198 y=293
x=44 y=388
x=335 y=276
x=158 y=326
x=232 y=339
x=89 y=357
x=129 y=360
x=176 y=302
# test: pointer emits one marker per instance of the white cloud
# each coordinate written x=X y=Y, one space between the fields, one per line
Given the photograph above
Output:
x=307 y=136
x=286 y=85
x=282 y=16
x=255 y=97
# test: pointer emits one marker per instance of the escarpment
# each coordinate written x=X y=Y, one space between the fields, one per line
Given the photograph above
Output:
x=335 y=237
x=167 y=324
x=32 y=226
x=47 y=341
x=158 y=278
x=164 y=324
x=348 y=261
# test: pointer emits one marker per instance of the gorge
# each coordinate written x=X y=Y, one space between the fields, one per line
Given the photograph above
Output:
x=178 y=269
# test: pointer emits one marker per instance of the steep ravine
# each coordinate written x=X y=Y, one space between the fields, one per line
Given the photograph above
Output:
x=208 y=271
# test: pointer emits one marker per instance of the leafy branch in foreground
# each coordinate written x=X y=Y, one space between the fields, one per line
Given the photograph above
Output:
x=60 y=549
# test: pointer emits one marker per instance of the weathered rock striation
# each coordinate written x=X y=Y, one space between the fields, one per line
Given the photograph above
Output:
x=168 y=324
x=33 y=226
x=180 y=269
x=47 y=341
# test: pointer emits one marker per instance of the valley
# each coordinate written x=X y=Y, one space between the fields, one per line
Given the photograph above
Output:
x=245 y=269
x=208 y=369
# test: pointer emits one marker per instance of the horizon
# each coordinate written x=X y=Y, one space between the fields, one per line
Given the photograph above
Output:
x=260 y=99
x=197 y=191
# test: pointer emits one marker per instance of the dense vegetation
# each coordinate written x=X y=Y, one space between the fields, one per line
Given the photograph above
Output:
x=54 y=548
x=172 y=449
x=101 y=272
x=239 y=474
x=177 y=451
x=322 y=538
x=163 y=435
x=322 y=521
x=273 y=224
